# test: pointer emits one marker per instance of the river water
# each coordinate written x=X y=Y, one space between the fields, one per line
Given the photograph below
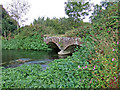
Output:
x=10 y=58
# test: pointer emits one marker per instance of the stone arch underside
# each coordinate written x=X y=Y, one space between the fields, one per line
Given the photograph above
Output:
x=71 y=47
x=54 y=46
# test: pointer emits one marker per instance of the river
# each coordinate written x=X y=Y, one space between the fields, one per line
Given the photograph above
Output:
x=11 y=58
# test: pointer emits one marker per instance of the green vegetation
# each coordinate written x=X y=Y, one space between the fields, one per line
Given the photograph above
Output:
x=8 y=24
x=78 y=10
x=81 y=31
x=30 y=37
x=27 y=38
x=19 y=74
x=58 y=26
x=29 y=43
x=94 y=65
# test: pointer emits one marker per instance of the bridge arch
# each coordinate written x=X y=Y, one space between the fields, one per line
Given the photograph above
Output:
x=54 y=46
x=64 y=44
x=71 y=47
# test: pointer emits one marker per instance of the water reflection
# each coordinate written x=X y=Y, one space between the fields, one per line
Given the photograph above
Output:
x=63 y=56
x=9 y=57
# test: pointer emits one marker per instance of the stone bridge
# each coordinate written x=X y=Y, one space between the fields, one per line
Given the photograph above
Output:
x=65 y=45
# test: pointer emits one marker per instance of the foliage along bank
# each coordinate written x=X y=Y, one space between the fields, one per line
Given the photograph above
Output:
x=28 y=38
x=9 y=25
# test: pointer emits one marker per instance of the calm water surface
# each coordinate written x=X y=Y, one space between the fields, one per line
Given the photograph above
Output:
x=9 y=57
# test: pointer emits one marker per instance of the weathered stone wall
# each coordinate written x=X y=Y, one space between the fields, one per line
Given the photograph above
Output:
x=63 y=42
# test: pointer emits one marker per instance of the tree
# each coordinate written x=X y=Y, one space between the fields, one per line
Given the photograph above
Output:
x=77 y=10
x=100 y=10
x=105 y=4
x=8 y=23
x=0 y=20
x=96 y=13
x=17 y=9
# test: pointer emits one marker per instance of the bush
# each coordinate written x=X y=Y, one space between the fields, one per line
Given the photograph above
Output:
x=81 y=31
x=20 y=77
x=105 y=36
x=30 y=43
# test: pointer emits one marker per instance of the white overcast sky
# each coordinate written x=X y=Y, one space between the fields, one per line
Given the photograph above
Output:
x=45 y=8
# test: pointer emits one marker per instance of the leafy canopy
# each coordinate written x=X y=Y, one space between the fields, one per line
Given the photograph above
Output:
x=77 y=10
x=8 y=23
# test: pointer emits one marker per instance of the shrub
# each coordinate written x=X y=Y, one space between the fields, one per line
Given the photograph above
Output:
x=81 y=31
x=20 y=77
x=34 y=43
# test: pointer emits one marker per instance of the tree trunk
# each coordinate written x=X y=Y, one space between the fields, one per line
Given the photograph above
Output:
x=9 y=35
x=5 y=34
x=17 y=26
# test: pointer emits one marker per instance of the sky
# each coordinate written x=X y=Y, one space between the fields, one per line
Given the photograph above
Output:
x=46 y=8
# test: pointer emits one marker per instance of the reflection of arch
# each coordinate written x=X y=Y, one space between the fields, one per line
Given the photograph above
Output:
x=54 y=46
